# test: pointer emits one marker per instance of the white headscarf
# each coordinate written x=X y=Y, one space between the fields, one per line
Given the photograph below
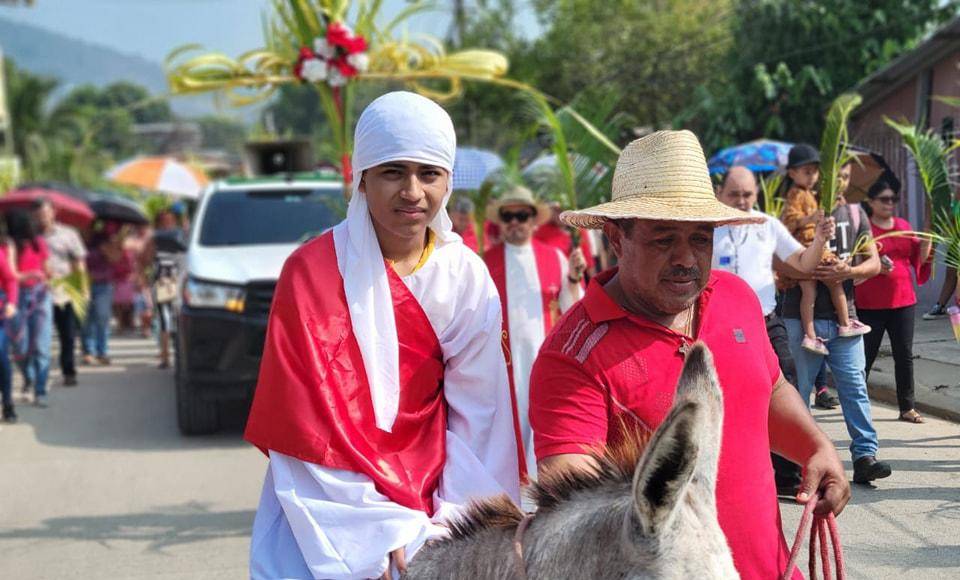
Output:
x=398 y=126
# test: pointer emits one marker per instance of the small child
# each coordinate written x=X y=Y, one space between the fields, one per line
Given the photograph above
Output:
x=801 y=212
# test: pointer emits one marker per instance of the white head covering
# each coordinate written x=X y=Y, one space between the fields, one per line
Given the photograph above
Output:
x=398 y=126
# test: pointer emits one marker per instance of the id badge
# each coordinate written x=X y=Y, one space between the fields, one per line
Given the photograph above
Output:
x=726 y=260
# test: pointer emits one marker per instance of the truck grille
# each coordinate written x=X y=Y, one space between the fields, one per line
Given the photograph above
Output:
x=259 y=298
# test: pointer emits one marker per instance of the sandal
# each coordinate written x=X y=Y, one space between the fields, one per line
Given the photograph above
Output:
x=911 y=416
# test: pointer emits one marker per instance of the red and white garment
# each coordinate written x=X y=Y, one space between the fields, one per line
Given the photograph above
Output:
x=383 y=402
x=532 y=280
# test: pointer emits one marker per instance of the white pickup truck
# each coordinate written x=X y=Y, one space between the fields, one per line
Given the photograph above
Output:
x=243 y=231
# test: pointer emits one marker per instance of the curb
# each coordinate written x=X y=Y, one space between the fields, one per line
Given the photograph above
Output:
x=882 y=388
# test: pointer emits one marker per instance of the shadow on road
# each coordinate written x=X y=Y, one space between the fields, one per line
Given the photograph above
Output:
x=163 y=528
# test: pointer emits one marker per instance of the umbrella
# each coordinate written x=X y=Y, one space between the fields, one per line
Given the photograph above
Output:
x=163 y=174
x=472 y=166
x=69 y=210
x=57 y=187
x=761 y=155
x=117 y=209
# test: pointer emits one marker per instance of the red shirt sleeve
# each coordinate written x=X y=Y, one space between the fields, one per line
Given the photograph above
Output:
x=568 y=407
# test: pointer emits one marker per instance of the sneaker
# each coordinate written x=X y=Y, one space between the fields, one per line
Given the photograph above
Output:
x=867 y=469
x=70 y=380
x=9 y=415
x=855 y=328
x=40 y=401
x=815 y=345
x=938 y=311
x=826 y=400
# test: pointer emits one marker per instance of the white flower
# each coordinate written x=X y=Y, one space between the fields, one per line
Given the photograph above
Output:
x=323 y=48
x=359 y=61
x=314 y=70
x=335 y=78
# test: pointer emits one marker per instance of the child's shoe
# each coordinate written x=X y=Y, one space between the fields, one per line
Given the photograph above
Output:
x=815 y=345
x=855 y=328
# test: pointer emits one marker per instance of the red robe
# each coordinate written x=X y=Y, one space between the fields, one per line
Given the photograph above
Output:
x=313 y=401
x=551 y=283
x=559 y=237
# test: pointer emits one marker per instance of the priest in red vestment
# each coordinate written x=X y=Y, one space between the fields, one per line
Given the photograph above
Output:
x=536 y=283
x=383 y=401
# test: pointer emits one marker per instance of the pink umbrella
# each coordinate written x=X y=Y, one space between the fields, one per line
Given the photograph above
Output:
x=69 y=210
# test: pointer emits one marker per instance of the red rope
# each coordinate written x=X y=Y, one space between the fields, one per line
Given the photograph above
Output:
x=824 y=528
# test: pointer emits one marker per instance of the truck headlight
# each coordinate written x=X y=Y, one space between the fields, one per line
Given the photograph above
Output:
x=198 y=294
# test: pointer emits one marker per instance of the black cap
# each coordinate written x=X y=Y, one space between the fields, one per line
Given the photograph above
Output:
x=802 y=154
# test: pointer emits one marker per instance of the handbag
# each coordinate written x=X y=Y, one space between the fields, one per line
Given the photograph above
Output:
x=165 y=289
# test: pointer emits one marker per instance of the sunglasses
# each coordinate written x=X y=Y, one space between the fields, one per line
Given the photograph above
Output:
x=888 y=199
x=520 y=216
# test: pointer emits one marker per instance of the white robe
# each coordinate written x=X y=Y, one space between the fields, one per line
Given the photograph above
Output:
x=526 y=326
x=318 y=522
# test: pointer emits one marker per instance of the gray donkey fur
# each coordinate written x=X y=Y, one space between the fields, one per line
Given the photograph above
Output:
x=654 y=519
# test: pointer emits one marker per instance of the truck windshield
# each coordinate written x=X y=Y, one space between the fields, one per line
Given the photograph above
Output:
x=283 y=216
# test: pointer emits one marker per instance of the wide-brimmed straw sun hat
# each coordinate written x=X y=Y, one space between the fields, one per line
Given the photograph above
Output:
x=518 y=195
x=662 y=176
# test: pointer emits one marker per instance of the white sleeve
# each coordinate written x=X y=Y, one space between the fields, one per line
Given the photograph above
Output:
x=568 y=297
x=481 y=439
x=318 y=522
x=785 y=244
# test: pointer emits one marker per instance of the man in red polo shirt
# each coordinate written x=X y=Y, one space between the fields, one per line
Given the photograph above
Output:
x=611 y=364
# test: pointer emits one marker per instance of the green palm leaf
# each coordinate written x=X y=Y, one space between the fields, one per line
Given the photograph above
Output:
x=833 y=147
x=930 y=154
x=772 y=204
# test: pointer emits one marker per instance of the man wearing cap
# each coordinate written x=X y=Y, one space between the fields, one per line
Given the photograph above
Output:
x=383 y=400
x=536 y=283
x=610 y=367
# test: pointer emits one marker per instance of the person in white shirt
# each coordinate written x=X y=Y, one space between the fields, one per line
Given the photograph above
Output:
x=536 y=283
x=748 y=251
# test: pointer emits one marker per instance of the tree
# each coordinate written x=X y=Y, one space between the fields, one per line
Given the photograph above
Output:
x=222 y=133
x=788 y=60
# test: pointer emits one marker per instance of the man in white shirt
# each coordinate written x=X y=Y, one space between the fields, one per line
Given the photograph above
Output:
x=536 y=283
x=748 y=252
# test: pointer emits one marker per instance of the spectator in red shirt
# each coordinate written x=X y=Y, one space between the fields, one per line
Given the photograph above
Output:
x=34 y=326
x=888 y=302
x=611 y=364
x=8 y=302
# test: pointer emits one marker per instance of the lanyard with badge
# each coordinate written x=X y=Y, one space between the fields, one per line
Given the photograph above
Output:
x=733 y=262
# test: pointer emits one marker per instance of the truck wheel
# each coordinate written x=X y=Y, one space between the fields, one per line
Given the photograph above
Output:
x=194 y=415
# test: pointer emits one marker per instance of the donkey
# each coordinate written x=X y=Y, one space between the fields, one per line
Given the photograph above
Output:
x=649 y=517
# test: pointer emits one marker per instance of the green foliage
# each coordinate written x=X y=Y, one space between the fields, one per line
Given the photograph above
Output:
x=772 y=203
x=222 y=133
x=930 y=154
x=788 y=60
x=833 y=148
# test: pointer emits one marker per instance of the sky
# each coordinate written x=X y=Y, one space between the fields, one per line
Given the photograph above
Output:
x=151 y=28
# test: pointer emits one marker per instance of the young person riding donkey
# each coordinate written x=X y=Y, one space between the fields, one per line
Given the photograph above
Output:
x=611 y=364
x=383 y=399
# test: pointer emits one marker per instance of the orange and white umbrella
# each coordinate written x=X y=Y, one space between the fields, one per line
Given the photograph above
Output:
x=163 y=174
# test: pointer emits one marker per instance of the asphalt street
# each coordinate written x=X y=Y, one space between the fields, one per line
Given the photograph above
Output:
x=101 y=485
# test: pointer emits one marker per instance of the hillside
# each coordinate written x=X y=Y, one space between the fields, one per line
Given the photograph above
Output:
x=76 y=62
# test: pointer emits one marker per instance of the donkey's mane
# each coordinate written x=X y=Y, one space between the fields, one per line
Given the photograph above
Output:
x=616 y=465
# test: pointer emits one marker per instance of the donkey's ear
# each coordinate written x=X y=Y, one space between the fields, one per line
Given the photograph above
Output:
x=664 y=473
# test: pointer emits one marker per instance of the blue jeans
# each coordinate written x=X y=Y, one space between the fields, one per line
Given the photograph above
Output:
x=847 y=363
x=96 y=331
x=34 y=331
x=6 y=369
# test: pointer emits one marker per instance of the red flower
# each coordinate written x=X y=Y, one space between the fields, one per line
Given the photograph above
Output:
x=344 y=67
x=340 y=35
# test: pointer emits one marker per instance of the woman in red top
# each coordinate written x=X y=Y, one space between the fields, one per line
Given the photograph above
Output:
x=34 y=326
x=887 y=302
x=8 y=310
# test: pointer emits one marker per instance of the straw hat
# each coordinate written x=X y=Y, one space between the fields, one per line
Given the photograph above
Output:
x=662 y=176
x=518 y=195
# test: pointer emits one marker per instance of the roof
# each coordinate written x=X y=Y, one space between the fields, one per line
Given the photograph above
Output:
x=309 y=177
x=885 y=81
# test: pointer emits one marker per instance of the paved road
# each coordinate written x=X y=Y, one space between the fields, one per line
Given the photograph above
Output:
x=101 y=485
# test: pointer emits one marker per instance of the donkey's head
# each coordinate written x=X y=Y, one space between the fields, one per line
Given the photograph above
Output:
x=672 y=529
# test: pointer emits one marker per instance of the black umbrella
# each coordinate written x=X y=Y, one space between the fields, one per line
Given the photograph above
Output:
x=117 y=209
